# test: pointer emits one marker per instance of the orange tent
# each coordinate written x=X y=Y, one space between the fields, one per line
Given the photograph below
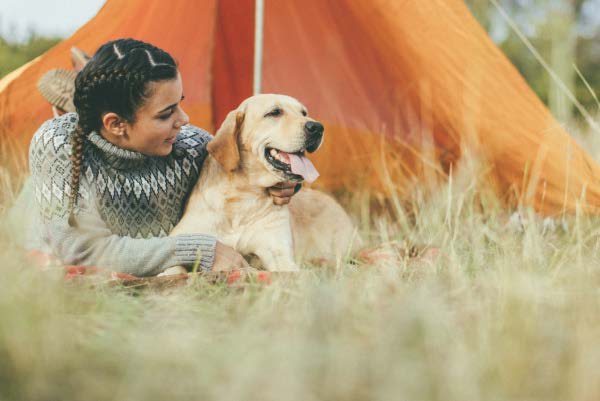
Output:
x=402 y=87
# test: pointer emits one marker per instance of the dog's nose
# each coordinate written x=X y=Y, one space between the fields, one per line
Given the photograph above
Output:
x=314 y=135
x=313 y=128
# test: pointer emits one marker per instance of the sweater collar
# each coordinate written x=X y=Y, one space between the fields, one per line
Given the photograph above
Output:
x=114 y=155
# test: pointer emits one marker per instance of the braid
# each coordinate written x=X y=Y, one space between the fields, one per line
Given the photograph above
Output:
x=76 y=161
x=114 y=80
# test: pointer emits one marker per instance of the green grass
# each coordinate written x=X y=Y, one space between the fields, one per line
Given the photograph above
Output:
x=504 y=313
x=13 y=55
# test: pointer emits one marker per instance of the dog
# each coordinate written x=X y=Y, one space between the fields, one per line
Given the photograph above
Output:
x=259 y=144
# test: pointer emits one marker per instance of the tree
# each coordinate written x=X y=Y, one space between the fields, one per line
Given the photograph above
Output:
x=553 y=27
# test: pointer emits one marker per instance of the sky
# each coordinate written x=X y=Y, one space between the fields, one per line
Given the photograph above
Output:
x=47 y=17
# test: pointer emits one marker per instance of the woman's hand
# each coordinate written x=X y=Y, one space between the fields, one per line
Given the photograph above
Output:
x=227 y=258
x=282 y=192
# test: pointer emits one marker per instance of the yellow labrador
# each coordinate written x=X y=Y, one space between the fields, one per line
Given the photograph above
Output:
x=259 y=144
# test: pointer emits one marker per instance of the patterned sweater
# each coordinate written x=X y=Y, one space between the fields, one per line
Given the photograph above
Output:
x=127 y=203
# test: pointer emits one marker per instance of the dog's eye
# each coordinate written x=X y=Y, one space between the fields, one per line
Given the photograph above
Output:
x=304 y=113
x=274 y=113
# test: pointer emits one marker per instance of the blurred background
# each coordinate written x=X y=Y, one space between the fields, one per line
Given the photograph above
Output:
x=565 y=33
x=30 y=27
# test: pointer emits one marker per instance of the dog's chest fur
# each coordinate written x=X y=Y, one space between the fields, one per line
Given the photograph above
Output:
x=226 y=206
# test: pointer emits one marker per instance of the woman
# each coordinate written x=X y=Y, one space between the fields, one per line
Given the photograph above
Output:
x=111 y=180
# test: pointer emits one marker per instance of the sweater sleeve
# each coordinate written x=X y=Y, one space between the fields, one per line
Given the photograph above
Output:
x=91 y=242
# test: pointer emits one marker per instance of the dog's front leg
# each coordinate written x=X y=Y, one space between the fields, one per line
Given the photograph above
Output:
x=281 y=259
x=272 y=243
x=170 y=271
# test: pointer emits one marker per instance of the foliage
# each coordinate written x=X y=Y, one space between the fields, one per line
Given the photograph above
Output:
x=564 y=32
x=15 y=54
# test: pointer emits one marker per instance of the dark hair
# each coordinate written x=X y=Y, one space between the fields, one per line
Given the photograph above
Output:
x=114 y=80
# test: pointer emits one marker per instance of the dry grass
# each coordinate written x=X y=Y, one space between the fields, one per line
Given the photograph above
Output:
x=506 y=312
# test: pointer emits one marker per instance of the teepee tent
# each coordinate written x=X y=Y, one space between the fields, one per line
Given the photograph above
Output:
x=403 y=88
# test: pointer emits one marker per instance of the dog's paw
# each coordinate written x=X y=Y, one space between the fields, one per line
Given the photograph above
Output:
x=285 y=268
x=173 y=271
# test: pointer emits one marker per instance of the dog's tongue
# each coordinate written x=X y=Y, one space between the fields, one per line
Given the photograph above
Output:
x=302 y=166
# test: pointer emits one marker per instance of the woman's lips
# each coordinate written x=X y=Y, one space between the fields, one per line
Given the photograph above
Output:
x=171 y=139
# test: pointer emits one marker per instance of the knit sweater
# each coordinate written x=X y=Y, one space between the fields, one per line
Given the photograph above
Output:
x=127 y=203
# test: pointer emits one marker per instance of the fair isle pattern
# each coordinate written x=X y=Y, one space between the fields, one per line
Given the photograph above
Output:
x=136 y=195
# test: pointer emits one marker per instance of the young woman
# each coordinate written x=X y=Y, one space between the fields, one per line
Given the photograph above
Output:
x=111 y=180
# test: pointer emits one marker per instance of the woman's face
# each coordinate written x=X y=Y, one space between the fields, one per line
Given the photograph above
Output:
x=158 y=120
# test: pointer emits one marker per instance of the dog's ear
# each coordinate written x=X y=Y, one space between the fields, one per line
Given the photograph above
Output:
x=224 y=147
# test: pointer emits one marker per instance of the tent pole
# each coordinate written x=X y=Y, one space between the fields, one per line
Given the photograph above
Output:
x=258 y=44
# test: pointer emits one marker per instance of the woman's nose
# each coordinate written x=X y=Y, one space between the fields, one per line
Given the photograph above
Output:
x=182 y=120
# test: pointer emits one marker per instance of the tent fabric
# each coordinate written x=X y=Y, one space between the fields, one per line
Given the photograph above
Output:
x=404 y=89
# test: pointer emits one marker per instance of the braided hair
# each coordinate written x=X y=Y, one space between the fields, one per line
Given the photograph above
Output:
x=115 y=80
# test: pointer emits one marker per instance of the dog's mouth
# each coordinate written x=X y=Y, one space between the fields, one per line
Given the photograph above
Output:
x=280 y=160
x=294 y=165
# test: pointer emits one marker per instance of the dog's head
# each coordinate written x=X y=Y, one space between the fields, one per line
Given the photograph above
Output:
x=266 y=138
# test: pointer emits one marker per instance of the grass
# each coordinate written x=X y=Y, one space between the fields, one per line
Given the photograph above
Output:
x=506 y=312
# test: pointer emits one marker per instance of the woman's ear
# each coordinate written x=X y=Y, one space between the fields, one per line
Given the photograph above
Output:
x=224 y=147
x=114 y=125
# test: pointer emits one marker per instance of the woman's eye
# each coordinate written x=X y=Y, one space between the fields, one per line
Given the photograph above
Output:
x=166 y=116
x=274 y=113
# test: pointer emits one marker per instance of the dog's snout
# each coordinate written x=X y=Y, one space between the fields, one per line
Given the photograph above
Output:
x=314 y=135
x=313 y=128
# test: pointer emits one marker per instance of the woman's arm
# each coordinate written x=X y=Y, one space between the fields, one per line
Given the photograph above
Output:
x=90 y=242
